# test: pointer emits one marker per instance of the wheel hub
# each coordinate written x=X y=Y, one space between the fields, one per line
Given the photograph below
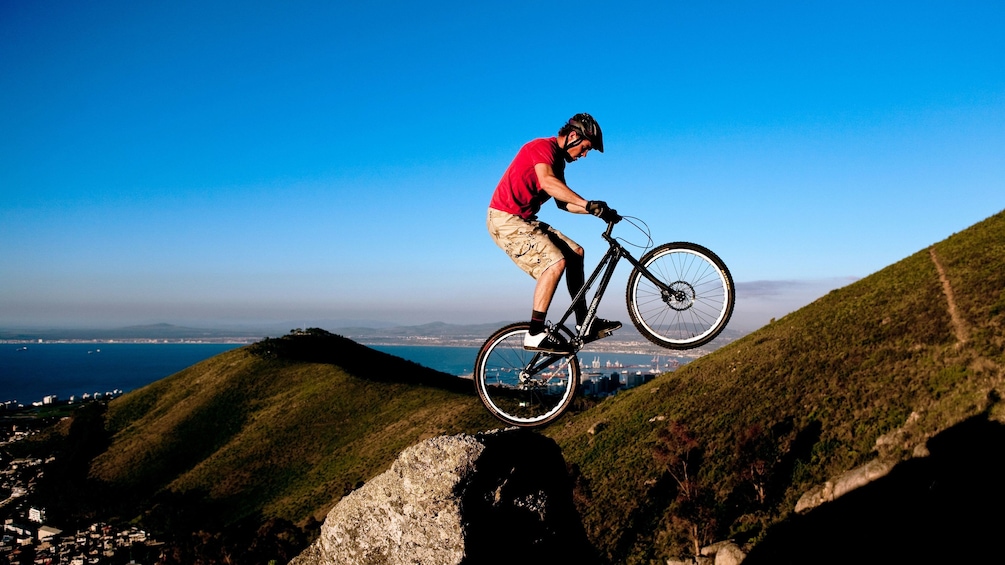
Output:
x=680 y=296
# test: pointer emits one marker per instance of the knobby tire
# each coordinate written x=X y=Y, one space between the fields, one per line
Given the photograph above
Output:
x=536 y=400
x=700 y=302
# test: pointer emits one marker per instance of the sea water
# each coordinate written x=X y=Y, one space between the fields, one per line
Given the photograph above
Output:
x=30 y=372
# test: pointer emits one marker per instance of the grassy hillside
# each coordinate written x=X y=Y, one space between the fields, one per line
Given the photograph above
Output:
x=721 y=448
x=726 y=445
x=282 y=428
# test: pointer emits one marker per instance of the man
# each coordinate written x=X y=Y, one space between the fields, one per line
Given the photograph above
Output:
x=537 y=174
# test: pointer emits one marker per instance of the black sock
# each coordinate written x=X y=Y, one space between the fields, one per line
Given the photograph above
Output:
x=537 y=322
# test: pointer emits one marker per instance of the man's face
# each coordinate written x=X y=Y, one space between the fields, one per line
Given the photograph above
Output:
x=580 y=150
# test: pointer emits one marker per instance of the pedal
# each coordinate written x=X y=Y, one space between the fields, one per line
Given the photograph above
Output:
x=602 y=332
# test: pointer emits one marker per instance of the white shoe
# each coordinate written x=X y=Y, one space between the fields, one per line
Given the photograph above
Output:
x=546 y=342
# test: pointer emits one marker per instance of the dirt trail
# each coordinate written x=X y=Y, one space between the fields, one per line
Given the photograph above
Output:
x=959 y=326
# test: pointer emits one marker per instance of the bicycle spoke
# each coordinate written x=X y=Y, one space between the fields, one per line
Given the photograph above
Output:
x=521 y=387
x=695 y=304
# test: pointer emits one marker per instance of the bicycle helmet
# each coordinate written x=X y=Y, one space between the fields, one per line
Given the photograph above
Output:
x=587 y=128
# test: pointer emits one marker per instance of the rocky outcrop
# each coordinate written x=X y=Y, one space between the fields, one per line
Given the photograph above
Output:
x=847 y=482
x=720 y=553
x=493 y=497
x=936 y=509
x=890 y=447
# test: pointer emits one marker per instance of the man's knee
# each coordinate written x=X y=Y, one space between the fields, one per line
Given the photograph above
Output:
x=576 y=257
x=555 y=269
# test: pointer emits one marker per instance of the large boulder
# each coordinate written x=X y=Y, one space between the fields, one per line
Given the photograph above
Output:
x=488 y=498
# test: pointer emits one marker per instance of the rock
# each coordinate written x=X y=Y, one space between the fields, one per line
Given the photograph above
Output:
x=720 y=553
x=729 y=554
x=493 y=497
x=712 y=549
x=939 y=509
x=847 y=482
x=697 y=560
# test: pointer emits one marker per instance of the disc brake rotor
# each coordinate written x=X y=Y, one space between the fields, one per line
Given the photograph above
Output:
x=680 y=297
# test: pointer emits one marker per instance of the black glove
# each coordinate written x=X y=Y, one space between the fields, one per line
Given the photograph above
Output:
x=600 y=209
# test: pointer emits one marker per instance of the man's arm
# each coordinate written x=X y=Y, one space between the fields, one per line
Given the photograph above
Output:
x=559 y=190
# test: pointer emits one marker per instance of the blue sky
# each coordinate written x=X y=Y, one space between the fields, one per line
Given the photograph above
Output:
x=227 y=163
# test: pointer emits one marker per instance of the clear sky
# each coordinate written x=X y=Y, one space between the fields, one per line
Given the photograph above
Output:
x=222 y=163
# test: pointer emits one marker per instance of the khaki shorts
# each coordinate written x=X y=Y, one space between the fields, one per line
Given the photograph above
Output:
x=531 y=244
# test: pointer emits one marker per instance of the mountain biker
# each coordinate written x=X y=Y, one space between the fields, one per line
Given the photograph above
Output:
x=537 y=174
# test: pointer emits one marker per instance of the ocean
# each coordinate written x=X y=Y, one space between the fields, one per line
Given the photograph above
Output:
x=30 y=372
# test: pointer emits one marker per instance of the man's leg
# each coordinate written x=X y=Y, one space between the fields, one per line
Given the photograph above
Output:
x=532 y=245
x=575 y=278
x=537 y=338
x=544 y=291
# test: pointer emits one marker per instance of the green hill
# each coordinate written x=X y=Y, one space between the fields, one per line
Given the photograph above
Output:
x=282 y=428
x=726 y=445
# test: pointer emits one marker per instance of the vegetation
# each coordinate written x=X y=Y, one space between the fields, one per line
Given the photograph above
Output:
x=722 y=448
x=272 y=434
x=811 y=395
x=284 y=427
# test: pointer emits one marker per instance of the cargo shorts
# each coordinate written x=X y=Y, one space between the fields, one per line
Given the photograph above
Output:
x=532 y=244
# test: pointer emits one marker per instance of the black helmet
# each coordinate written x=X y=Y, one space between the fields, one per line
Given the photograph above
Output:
x=588 y=128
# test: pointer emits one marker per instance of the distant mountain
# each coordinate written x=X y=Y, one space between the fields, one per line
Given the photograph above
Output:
x=440 y=332
x=473 y=335
x=434 y=333
x=141 y=332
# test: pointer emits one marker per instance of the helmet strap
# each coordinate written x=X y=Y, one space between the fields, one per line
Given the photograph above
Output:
x=567 y=146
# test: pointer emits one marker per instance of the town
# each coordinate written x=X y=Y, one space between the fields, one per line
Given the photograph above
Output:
x=27 y=536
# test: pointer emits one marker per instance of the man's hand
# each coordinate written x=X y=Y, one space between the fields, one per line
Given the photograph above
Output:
x=600 y=209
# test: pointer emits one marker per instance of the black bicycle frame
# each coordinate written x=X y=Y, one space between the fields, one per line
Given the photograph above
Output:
x=615 y=252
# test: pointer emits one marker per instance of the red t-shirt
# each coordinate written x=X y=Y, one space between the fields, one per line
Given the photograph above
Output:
x=519 y=192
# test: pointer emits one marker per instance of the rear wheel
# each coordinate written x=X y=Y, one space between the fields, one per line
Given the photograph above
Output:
x=696 y=303
x=520 y=387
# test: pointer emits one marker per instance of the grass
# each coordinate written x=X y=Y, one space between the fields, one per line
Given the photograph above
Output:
x=259 y=430
x=831 y=379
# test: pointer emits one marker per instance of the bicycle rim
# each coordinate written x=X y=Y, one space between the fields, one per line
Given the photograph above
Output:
x=698 y=305
x=520 y=387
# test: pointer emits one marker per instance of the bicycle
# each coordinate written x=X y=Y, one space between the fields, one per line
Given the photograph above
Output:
x=680 y=296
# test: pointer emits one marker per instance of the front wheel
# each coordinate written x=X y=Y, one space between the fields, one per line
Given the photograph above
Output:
x=692 y=302
x=520 y=387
